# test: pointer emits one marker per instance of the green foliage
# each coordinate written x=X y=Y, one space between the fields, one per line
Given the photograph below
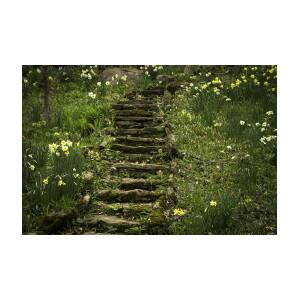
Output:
x=228 y=137
x=224 y=121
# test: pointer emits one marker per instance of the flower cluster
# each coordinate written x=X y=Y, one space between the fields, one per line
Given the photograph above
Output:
x=265 y=128
x=64 y=146
x=93 y=155
x=92 y=95
x=249 y=77
x=88 y=73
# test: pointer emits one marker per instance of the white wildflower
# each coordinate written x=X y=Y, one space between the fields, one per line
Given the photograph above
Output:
x=92 y=95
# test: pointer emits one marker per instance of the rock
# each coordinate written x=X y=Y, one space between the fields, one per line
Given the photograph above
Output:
x=55 y=222
x=86 y=199
x=165 y=78
x=88 y=176
x=130 y=73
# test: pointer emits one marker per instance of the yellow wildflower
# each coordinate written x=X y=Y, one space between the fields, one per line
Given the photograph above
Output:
x=60 y=182
x=64 y=148
x=213 y=203
x=45 y=181
x=53 y=147
x=178 y=212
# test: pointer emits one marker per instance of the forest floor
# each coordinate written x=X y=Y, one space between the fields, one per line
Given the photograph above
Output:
x=150 y=150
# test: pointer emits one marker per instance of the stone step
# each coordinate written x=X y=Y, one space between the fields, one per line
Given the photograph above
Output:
x=139 y=141
x=146 y=131
x=134 y=113
x=138 y=170
x=136 y=118
x=152 y=92
x=139 y=183
x=124 y=208
x=136 y=149
x=135 y=125
x=135 y=105
x=135 y=157
x=94 y=220
x=136 y=195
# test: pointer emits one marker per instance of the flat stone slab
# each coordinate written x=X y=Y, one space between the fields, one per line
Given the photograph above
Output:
x=141 y=167
x=139 y=141
x=135 y=118
x=136 y=149
x=152 y=92
x=134 y=106
x=134 y=112
x=135 y=157
x=125 y=207
x=136 y=125
x=109 y=220
x=136 y=195
x=139 y=183
x=146 y=131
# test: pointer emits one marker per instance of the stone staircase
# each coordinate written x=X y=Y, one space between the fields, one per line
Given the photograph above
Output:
x=140 y=182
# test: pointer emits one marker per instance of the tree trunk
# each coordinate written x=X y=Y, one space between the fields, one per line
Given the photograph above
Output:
x=187 y=69
x=46 y=114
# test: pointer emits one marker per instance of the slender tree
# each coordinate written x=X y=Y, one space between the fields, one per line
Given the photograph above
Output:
x=46 y=113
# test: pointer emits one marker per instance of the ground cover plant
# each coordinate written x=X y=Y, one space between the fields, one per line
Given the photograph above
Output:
x=224 y=127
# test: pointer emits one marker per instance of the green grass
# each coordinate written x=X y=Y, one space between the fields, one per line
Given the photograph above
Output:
x=241 y=179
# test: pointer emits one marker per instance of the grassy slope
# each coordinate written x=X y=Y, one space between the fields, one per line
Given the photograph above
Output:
x=225 y=162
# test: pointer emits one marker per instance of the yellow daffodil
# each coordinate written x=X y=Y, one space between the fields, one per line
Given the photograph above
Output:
x=178 y=212
x=60 y=182
x=213 y=203
x=53 y=147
